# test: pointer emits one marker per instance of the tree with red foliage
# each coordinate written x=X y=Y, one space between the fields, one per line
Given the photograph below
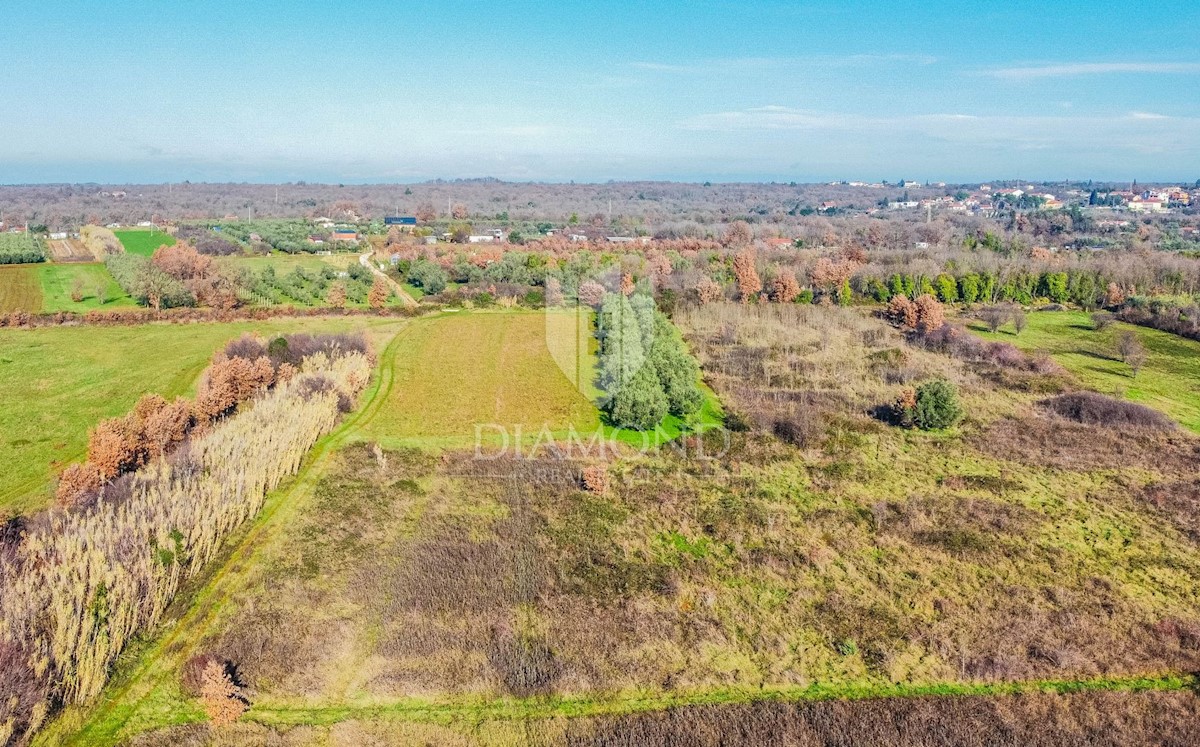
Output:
x=222 y=698
x=902 y=312
x=114 y=446
x=379 y=293
x=627 y=285
x=931 y=315
x=426 y=212
x=749 y=284
x=181 y=261
x=76 y=483
x=785 y=288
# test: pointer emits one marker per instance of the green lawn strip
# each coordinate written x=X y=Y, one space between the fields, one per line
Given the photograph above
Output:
x=143 y=241
x=474 y=710
x=58 y=282
x=144 y=684
x=1169 y=381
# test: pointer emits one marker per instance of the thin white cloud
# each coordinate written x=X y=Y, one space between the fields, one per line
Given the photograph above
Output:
x=1142 y=131
x=1093 y=68
x=734 y=64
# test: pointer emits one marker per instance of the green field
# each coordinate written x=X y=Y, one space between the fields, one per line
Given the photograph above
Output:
x=19 y=289
x=143 y=241
x=58 y=382
x=502 y=372
x=1169 y=381
x=58 y=282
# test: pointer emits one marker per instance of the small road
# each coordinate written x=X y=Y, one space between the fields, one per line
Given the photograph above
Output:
x=407 y=300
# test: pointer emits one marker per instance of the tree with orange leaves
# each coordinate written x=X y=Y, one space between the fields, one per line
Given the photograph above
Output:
x=744 y=269
x=785 y=288
x=379 y=293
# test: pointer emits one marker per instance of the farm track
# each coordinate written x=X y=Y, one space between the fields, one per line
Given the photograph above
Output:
x=103 y=724
x=408 y=300
x=471 y=710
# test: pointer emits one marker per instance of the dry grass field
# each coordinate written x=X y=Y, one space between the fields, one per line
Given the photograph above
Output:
x=406 y=595
x=20 y=289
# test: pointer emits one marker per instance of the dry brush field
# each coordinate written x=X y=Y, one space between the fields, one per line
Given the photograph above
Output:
x=431 y=597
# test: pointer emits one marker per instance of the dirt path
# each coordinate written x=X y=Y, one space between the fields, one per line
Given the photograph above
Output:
x=365 y=261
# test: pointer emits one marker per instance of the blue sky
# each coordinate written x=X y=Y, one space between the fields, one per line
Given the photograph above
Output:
x=404 y=91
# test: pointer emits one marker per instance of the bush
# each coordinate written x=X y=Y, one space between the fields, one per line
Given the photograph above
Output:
x=1092 y=408
x=933 y=406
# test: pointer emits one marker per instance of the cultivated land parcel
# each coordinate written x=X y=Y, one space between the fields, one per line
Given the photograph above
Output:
x=401 y=590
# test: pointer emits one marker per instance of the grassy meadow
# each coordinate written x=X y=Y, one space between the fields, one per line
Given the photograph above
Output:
x=460 y=369
x=399 y=592
x=60 y=381
x=143 y=241
x=1169 y=381
x=58 y=282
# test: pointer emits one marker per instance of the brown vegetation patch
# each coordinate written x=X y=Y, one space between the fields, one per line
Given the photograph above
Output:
x=1062 y=444
x=1083 y=720
x=1179 y=501
x=1093 y=408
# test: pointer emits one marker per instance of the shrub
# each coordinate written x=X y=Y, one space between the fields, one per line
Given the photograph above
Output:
x=222 y=698
x=1092 y=408
x=595 y=479
x=933 y=406
x=931 y=316
x=1131 y=350
x=902 y=312
x=709 y=290
x=77 y=483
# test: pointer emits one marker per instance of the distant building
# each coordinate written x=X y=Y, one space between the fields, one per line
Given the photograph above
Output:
x=481 y=239
x=316 y=240
x=400 y=220
x=578 y=238
x=1141 y=204
x=58 y=235
x=343 y=234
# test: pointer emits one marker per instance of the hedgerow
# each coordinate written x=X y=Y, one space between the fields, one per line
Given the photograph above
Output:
x=78 y=585
x=644 y=365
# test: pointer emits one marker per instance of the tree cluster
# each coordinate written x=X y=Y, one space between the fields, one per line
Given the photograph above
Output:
x=645 y=367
